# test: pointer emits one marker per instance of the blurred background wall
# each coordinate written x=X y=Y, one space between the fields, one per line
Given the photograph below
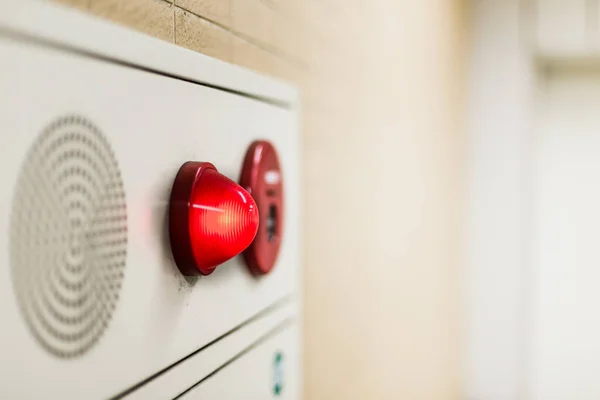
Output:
x=531 y=262
x=381 y=84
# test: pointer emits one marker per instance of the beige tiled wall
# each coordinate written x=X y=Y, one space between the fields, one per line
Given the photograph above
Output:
x=381 y=84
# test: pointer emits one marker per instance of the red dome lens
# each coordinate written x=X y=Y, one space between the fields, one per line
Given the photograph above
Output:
x=212 y=219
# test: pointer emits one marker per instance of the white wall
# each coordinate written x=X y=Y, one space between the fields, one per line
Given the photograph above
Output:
x=564 y=332
x=531 y=277
x=500 y=78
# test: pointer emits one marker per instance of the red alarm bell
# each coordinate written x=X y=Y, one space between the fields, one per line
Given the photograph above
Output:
x=211 y=218
x=261 y=177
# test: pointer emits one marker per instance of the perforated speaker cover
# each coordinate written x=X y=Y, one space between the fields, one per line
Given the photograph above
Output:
x=68 y=236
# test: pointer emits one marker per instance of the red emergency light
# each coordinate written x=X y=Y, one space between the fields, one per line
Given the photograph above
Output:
x=211 y=218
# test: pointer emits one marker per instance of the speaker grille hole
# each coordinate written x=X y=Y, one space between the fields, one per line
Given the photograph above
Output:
x=68 y=236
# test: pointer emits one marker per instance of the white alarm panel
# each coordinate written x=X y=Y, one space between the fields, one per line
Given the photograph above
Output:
x=271 y=366
x=96 y=121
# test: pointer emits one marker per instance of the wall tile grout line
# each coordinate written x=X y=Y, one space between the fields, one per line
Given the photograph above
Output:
x=174 y=24
x=262 y=46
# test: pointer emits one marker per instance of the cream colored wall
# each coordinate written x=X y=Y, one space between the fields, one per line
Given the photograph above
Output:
x=383 y=146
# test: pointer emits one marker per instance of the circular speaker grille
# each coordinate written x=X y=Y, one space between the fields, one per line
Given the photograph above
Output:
x=68 y=236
